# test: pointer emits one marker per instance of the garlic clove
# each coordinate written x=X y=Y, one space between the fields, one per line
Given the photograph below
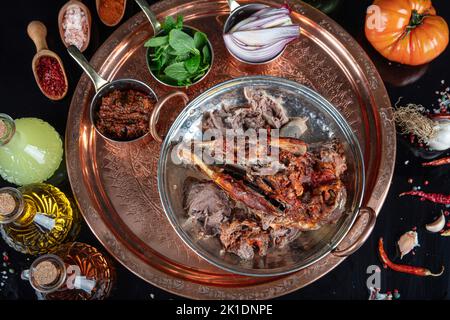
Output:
x=437 y=225
x=407 y=243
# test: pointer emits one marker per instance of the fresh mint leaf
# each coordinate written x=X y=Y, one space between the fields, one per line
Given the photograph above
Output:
x=180 y=41
x=182 y=57
x=157 y=41
x=179 y=23
x=206 y=55
x=192 y=64
x=168 y=24
x=177 y=71
x=200 y=39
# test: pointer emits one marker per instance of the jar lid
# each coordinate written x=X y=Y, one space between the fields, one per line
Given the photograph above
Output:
x=3 y=129
x=47 y=273
x=11 y=204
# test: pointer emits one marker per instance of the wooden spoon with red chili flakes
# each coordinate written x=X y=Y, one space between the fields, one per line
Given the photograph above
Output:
x=47 y=66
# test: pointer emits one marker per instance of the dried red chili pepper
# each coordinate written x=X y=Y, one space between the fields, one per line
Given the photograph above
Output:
x=438 y=162
x=418 y=271
x=433 y=197
x=51 y=76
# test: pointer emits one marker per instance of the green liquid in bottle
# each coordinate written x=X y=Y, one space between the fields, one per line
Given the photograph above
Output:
x=30 y=150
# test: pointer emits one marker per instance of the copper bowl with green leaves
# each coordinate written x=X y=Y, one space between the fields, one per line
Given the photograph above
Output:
x=177 y=55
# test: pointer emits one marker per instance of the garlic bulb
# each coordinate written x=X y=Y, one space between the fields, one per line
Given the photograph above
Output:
x=441 y=139
x=434 y=131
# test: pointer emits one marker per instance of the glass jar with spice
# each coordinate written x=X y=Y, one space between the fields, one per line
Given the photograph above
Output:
x=37 y=218
x=76 y=271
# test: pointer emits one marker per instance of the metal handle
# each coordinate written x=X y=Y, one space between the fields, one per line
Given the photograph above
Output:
x=150 y=15
x=233 y=5
x=85 y=65
x=362 y=237
x=154 y=117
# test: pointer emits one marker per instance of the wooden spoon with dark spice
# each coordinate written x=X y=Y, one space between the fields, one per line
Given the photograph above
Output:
x=47 y=66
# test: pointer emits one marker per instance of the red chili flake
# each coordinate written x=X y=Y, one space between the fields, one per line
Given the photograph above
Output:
x=446 y=213
x=448 y=224
x=51 y=76
x=5 y=258
x=411 y=138
x=426 y=182
x=414 y=228
x=410 y=180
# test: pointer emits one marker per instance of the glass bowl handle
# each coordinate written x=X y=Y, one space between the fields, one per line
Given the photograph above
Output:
x=154 y=117
x=362 y=237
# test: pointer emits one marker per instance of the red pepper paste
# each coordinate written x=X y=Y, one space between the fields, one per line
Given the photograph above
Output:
x=51 y=76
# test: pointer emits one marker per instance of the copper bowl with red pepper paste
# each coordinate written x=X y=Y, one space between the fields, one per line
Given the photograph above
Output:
x=120 y=111
x=123 y=115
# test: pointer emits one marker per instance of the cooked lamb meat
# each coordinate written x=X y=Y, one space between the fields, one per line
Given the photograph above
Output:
x=261 y=111
x=244 y=238
x=207 y=204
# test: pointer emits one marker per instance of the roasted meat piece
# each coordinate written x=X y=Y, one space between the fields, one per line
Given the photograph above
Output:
x=261 y=111
x=207 y=204
x=244 y=238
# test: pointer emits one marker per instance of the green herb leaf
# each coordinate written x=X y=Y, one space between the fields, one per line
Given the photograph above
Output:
x=177 y=71
x=179 y=23
x=200 y=39
x=206 y=55
x=168 y=24
x=180 y=41
x=192 y=64
x=157 y=41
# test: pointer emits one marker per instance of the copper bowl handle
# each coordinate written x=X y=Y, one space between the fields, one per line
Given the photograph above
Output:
x=362 y=237
x=154 y=117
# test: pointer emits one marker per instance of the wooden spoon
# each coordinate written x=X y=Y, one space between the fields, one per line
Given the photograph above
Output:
x=37 y=32
x=108 y=23
x=86 y=11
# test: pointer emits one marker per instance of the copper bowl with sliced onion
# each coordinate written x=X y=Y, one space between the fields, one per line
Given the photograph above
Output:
x=325 y=123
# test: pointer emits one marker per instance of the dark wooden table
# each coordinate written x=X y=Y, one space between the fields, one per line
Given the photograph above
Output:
x=21 y=98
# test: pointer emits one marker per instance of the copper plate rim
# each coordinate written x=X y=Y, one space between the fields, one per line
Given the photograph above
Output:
x=278 y=286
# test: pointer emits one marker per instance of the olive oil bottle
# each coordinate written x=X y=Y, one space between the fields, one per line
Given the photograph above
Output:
x=37 y=218
x=75 y=271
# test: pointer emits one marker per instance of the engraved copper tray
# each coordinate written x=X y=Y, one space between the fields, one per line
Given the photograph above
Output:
x=115 y=184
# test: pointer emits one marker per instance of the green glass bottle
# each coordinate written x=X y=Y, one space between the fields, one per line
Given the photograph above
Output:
x=30 y=150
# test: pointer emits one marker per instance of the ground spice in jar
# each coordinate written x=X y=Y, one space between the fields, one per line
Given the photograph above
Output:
x=110 y=11
x=75 y=26
x=51 y=76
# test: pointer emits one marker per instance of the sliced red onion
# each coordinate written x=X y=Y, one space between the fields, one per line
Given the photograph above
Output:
x=262 y=37
x=242 y=23
x=256 y=54
x=268 y=22
x=274 y=11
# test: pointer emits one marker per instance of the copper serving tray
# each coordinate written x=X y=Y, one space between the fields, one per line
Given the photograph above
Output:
x=115 y=184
